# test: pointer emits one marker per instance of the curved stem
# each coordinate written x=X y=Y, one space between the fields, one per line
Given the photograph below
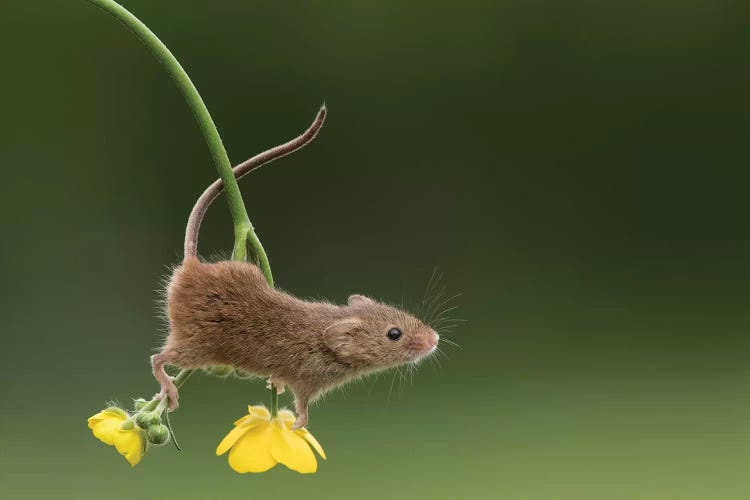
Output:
x=243 y=229
x=260 y=255
x=244 y=232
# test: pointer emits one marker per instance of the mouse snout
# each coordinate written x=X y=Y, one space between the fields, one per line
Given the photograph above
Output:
x=429 y=341
x=433 y=338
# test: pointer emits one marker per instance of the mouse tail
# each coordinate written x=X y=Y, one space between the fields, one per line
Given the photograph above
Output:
x=214 y=190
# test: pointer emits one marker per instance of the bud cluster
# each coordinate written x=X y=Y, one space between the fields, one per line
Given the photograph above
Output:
x=150 y=421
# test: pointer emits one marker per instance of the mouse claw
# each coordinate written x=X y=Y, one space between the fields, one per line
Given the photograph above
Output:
x=300 y=422
x=171 y=393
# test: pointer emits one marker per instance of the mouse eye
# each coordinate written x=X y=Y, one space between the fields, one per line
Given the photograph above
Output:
x=394 y=334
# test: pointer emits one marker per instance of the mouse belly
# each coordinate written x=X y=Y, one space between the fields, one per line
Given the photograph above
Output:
x=200 y=344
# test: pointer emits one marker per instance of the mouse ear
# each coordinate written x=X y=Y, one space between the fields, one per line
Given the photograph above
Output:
x=340 y=337
x=359 y=299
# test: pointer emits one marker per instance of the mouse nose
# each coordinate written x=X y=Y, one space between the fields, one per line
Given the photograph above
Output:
x=426 y=342
x=433 y=339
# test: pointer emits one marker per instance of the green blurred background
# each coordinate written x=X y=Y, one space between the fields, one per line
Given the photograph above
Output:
x=576 y=170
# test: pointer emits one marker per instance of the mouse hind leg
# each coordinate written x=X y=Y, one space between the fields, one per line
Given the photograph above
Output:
x=301 y=404
x=168 y=389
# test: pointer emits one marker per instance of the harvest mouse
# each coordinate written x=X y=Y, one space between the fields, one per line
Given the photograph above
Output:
x=225 y=313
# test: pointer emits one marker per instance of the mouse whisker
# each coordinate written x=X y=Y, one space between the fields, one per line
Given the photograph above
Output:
x=393 y=380
x=433 y=304
x=450 y=342
x=447 y=301
x=434 y=280
x=442 y=309
x=431 y=293
x=421 y=305
x=435 y=360
x=444 y=329
x=443 y=314
x=450 y=322
x=401 y=383
x=456 y=320
x=372 y=385
x=447 y=322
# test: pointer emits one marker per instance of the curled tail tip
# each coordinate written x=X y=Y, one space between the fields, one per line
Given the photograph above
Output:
x=320 y=119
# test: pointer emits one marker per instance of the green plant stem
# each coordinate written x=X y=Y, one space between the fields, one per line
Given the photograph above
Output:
x=261 y=256
x=274 y=402
x=244 y=233
x=162 y=404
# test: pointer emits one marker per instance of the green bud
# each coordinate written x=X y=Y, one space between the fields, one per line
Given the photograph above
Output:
x=127 y=425
x=139 y=403
x=157 y=434
x=147 y=419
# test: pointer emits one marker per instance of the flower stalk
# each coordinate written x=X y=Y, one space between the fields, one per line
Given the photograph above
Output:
x=244 y=233
x=243 y=229
x=274 y=401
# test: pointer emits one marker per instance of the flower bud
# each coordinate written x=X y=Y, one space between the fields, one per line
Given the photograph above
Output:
x=127 y=425
x=147 y=419
x=157 y=434
x=139 y=403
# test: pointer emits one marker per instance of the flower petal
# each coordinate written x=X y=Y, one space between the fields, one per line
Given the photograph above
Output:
x=106 y=414
x=104 y=425
x=292 y=450
x=242 y=420
x=311 y=439
x=252 y=452
x=235 y=434
x=130 y=444
x=259 y=412
x=111 y=411
x=287 y=418
x=95 y=419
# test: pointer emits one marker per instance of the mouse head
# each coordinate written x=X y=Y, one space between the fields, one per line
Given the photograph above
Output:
x=377 y=335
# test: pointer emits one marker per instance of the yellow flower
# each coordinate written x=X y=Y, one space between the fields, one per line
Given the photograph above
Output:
x=107 y=428
x=259 y=442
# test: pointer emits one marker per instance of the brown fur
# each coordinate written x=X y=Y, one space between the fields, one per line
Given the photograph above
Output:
x=226 y=314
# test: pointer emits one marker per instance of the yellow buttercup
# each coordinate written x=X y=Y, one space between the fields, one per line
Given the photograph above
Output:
x=259 y=442
x=107 y=426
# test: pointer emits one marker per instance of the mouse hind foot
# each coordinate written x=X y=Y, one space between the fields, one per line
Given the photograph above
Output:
x=168 y=389
x=301 y=404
